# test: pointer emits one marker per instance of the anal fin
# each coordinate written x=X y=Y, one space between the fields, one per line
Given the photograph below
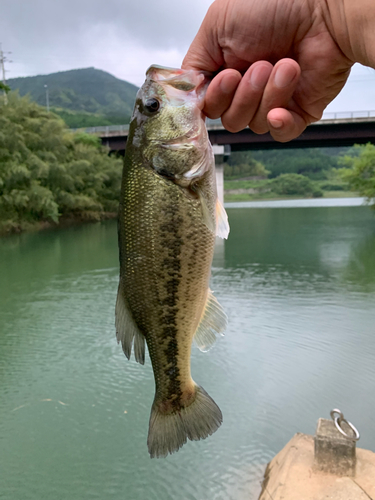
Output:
x=126 y=329
x=213 y=323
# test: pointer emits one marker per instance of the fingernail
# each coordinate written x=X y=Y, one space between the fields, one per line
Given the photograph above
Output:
x=284 y=76
x=228 y=83
x=259 y=77
x=276 y=123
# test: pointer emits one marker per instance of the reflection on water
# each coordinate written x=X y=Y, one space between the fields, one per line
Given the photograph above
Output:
x=299 y=290
x=361 y=264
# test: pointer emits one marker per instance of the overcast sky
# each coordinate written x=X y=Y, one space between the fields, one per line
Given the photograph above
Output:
x=122 y=37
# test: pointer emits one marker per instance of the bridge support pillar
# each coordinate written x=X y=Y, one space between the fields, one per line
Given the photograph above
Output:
x=219 y=168
x=220 y=152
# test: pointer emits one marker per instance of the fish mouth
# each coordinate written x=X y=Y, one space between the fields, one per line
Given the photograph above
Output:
x=181 y=84
x=181 y=79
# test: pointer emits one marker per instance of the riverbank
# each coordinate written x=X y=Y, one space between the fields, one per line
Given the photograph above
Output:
x=8 y=228
x=299 y=203
x=270 y=196
x=293 y=187
x=330 y=199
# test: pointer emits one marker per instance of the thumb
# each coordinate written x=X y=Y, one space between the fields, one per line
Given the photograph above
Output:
x=198 y=58
x=205 y=53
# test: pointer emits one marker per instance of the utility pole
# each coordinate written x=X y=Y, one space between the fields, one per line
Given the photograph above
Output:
x=3 y=59
x=47 y=97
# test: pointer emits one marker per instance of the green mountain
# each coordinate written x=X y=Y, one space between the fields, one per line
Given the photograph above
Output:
x=82 y=97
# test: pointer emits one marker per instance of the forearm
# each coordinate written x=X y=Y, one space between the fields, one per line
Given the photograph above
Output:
x=352 y=24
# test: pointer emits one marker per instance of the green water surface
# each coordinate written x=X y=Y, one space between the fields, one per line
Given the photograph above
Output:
x=298 y=285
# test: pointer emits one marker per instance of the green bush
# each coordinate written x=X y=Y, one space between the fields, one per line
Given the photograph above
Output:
x=332 y=186
x=47 y=172
x=317 y=193
x=251 y=168
x=295 y=184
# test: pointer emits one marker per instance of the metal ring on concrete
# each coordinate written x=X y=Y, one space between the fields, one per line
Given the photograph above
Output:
x=338 y=421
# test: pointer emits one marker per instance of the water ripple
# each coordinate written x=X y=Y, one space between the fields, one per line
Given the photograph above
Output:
x=74 y=412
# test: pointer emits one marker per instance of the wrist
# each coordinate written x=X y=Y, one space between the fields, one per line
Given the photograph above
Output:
x=352 y=25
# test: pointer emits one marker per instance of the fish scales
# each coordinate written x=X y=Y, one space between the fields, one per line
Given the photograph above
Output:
x=167 y=285
x=166 y=243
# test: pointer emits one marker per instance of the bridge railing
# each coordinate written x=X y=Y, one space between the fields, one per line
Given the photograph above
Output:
x=342 y=115
x=108 y=130
x=105 y=129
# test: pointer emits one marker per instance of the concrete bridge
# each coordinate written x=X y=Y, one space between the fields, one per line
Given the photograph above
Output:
x=335 y=129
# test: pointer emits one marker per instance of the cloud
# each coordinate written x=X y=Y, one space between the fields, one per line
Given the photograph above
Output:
x=145 y=21
x=122 y=37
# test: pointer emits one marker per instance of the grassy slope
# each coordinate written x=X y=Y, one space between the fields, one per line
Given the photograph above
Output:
x=269 y=195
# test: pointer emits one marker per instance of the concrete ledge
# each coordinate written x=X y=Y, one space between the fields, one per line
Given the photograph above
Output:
x=291 y=475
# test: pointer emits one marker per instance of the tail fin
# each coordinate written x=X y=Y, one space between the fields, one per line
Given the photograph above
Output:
x=167 y=433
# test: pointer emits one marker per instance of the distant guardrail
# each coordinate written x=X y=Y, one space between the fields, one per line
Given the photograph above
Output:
x=124 y=129
x=105 y=129
x=110 y=130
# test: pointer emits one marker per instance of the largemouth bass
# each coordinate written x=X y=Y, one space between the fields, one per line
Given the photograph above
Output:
x=168 y=219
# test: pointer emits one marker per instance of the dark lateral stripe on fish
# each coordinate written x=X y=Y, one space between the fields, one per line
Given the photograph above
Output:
x=169 y=232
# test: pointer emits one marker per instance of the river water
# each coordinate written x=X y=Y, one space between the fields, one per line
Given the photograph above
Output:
x=298 y=285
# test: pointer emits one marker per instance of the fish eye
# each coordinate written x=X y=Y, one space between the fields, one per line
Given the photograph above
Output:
x=152 y=105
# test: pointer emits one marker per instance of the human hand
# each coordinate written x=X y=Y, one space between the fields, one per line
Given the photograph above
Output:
x=279 y=65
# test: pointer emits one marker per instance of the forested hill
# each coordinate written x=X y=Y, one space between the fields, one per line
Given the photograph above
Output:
x=82 y=97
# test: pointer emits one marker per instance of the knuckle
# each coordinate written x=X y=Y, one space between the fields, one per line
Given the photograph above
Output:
x=231 y=125
x=280 y=137
x=213 y=115
x=258 y=128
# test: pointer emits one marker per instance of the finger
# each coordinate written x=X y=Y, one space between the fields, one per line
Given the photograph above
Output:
x=278 y=92
x=247 y=97
x=220 y=92
x=285 y=125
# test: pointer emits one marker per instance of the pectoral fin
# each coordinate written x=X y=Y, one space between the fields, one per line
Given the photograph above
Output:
x=207 y=216
x=217 y=223
x=213 y=323
x=127 y=330
x=222 y=225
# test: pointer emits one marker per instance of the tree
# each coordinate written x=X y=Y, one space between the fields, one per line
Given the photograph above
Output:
x=48 y=172
x=248 y=168
x=314 y=163
x=4 y=87
x=360 y=171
